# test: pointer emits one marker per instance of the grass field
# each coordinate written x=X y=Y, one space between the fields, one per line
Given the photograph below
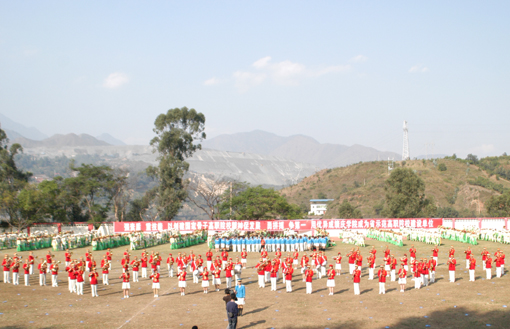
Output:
x=441 y=305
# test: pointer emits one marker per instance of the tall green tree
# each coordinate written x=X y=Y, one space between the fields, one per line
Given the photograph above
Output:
x=259 y=203
x=177 y=134
x=405 y=195
x=12 y=182
x=347 y=210
x=499 y=205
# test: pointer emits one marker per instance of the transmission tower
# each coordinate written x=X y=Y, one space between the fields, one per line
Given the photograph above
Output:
x=405 y=151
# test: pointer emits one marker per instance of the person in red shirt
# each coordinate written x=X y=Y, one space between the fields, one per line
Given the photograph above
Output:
x=338 y=263
x=79 y=280
x=424 y=272
x=382 y=280
x=71 y=277
x=135 y=264
x=435 y=253
x=267 y=272
x=273 y=274
x=125 y=283
x=263 y=254
x=106 y=271
x=488 y=267
x=288 y=277
x=387 y=252
x=403 y=261
x=502 y=263
x=402 y=278
x=304 y=264
x=295 y=260
x=49 y=258
x=393 y=267
x=498 y=265
x=93 y=282
x=331 y=279
x=468 y=253
x=356 y=276
x=224 y=258
x=412 y=253
x=309 y=278
x=26 y=270
x=170 y=265
x=155 y=283
x=432 y=268
x=144 y=261
x=208 y=257
x=244 y=255
x=88 y=255
x=15 y=271
x=216 y=272
x=123 y=262
x=451 y=268
x=205 y=280
x=42 y=272
x=67 y=256
x=54 y=274
x=228 y=274
x=182 y=281
x=451 y=252
x=371 y=266
x=352 y=259
x=417 y=276
x=260 y=272
x=484 y=257
x=472 y=267
x=373 y=251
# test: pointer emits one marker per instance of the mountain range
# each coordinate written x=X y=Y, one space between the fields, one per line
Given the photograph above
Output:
x=15 y=130
x=299 y=148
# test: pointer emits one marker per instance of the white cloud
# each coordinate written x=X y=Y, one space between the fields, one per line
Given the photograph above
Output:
x=211 y=82
x=282 y=73
x=359 y=59
x=419 y=69
x=115 y=80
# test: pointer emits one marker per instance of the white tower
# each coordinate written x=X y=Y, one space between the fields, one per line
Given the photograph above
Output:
x=405 y=151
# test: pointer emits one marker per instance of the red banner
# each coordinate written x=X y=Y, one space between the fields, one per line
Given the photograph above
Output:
x=279 y=225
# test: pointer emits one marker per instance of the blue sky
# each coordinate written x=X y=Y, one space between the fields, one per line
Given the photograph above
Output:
x=340 y=71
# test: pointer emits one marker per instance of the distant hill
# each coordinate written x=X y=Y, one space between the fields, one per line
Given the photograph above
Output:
x=11 y=134
x=59 y=140
x=464 y=187
x=110 y=139
x=299 y=148
x=20 y=129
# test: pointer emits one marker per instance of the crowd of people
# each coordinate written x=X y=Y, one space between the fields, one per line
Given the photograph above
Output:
x=465 y=236
x=218 y=269
x=271 y=243
x=388 y=236
x=421 y=235
x=352 y=237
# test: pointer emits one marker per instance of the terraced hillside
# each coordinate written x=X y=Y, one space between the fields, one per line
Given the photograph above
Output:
x=462 y=186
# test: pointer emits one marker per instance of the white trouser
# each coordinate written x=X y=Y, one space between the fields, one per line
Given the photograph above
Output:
x=54 y=280
x=144 y=272
x=262 y=282
x=502 y=269
x=135 y=276
x=229 y=282
x=323 y=270
x=351 y=268
x=356 y=289
x=93 y=289
x=289 y=285
x=370 y=273
x=67 y=264
x=452 y=276
x=435 y=259
x=273 y=284
x=432 y=276
x=489 y=273
x=301 y=246
x=483 y=265
x=392 y=275
x=79 y=288
x=105 y=279
x=42 y=279
x=425 y=279
x=319 y=272
x=7 y=277
x=382 y=287
x=308 y=287
x=471 y=275
x=283 y=277
x=195 y=279
x=267 y=276
x=208 y=266
x=87 y=265
x=417 y=282
x=31 y=269
x=15 y=278
x=27 y=279
x=73 y=285
x=159 y=268
x=498 y=272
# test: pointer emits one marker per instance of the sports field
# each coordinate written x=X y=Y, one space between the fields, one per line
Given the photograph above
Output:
x=443 y=304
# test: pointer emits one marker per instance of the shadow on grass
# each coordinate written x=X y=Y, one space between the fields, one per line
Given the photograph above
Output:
x=450 y=318
x=257 y=310
x=251 y=324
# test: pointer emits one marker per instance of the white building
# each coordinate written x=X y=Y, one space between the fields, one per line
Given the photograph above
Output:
x=318 y=207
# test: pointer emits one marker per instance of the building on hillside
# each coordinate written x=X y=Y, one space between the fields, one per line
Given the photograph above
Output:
x=40 y=178
x=318 y=207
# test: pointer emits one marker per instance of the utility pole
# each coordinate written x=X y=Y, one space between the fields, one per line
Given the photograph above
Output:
x=405 y=150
